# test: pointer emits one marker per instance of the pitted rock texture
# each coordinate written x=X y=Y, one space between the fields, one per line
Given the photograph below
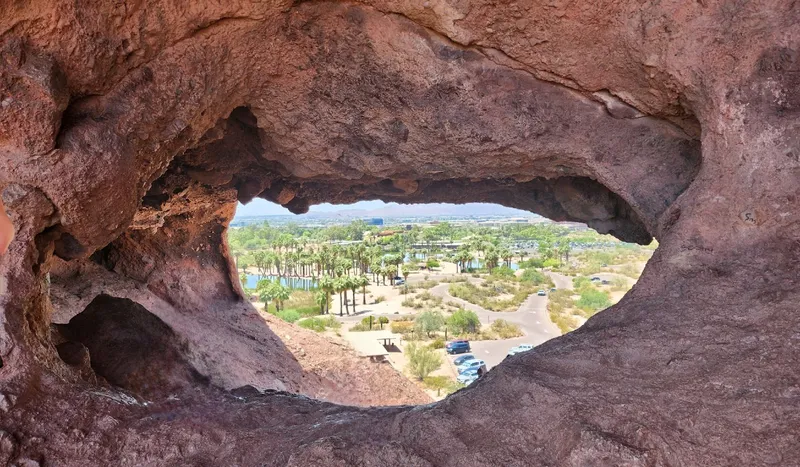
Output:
x=129 y=131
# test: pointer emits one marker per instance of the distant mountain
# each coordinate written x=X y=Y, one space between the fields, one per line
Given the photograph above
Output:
x=393 y=210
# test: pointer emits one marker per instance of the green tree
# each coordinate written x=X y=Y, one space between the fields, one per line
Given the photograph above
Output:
x=463 y=321
x=422 y=360
x=327 y=284
x=321 y=299
x=281 y=293
x=383 y=320
x=593 y=300
x=429 y=322
x=363 y=282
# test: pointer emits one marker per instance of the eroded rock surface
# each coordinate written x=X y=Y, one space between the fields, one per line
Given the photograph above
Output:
x=128 y=133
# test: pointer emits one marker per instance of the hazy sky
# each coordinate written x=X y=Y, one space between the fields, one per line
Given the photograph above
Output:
x=262 y=207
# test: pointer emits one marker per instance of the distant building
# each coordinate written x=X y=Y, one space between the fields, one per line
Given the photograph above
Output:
x=375 y=221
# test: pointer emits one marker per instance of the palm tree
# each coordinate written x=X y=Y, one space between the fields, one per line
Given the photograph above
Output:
x=321 y=298
x=282 y=293
x=341 y=286
x=328 y=286
x=406 y=273
x=363 y=281
x=353 y=283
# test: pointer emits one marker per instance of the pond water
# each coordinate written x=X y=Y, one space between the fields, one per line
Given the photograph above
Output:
x=291 y=282
x=476 y=263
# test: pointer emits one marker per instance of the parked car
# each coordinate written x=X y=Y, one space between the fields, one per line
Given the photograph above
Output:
x=463 y=358
x=604 y=282
x=553 y=289
x=460 y=346
x=541 y=293
x=470 y=364
x=468 y=376
x=399 y=281
x=520 y=348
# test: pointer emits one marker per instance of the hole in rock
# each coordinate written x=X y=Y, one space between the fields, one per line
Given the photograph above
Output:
x=396 y=285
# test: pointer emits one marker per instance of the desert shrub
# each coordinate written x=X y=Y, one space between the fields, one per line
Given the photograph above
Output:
x=618 y=283
x=437 y=343
x=383 y=320
x=380 y=298
x=533 y=276
x=593 y=301
x=290 y=316
x=301 y=299
x=629 y=270
x=426 y=284
x=551 y=263
x=532 y=263
x=432 y=263
x=505 y=330
x=581 y=283
x=565 y=323
x=422 y=360
x=429 y=322
x=503 y=271
x=319 y=324
x=409 y=302
x=463 y=321
x=441 y=384
x=402 y=327
x=475 y=274
x=425 y=296
x=371 y=322
x=360 y=327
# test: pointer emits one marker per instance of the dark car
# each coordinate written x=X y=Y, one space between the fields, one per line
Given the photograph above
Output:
x=462 y=359
x=457 y=347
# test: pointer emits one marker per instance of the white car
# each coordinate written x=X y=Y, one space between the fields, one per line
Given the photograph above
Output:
x=468 y=376
x=470 y=364
x=520 y=348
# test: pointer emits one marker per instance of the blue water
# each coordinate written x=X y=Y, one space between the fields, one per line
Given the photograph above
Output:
x=291 y=282
x=476 y=264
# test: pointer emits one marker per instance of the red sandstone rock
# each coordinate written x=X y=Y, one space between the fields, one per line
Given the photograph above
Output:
x=127 y=133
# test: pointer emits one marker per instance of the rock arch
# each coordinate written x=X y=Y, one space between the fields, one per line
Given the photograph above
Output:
x=128 y=134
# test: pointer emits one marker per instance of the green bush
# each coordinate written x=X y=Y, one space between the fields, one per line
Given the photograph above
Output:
x=290 y=316
x=422 y=360
x=463 y=321
x=503 y=271
x=432 y=263
x=532 y=263
x=593 y=301
x=581 y=283
x=402 y=327
x=429 y=322
x=380 y=298
x=437 y=343
x=371 y=322
x=619 y=283
x=533 y=276
x=319 y=324
x=551 y=263
x=505 y=330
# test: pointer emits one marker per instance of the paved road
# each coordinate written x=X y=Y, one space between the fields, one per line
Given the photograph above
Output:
x=531 y=316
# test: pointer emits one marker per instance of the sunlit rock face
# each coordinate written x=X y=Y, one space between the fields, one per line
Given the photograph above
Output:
x=128 y=133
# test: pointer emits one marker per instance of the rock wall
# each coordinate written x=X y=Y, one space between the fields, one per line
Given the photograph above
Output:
x=127 y=133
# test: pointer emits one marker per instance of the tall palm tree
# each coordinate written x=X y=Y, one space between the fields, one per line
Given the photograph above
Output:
x=363 y=281
x=328 y=285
